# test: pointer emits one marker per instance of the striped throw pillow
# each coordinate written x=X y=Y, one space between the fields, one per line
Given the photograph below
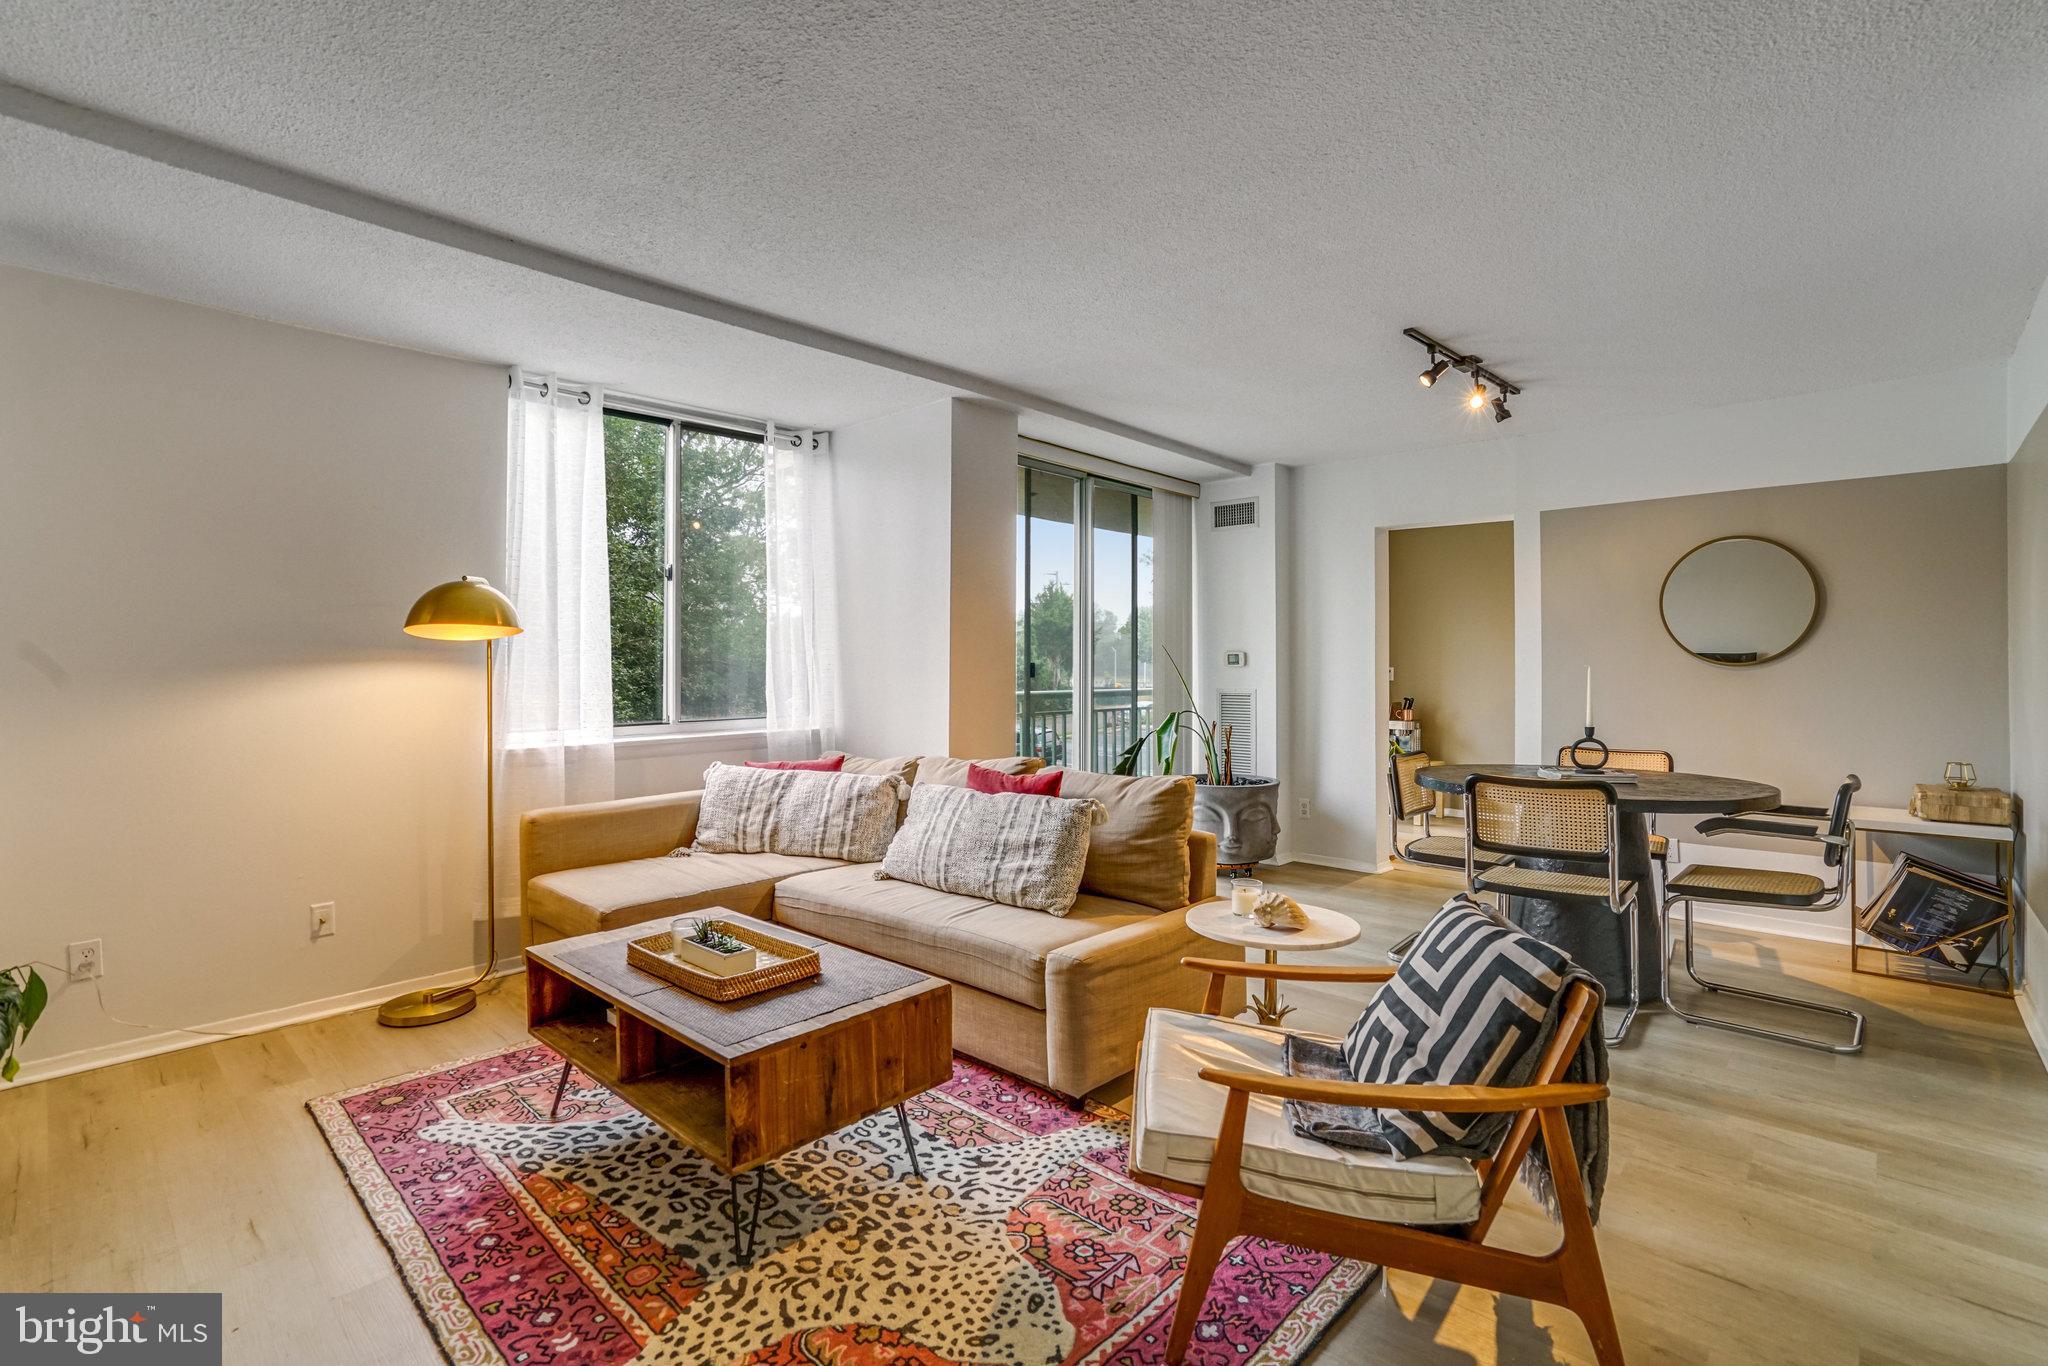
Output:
x=811 y=814
x=1010 y=847
x=1470 y=1000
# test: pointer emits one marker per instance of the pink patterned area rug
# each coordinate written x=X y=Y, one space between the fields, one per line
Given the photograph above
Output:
x=597 y=1238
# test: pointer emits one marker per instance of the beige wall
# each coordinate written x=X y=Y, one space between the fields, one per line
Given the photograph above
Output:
x=1451 y=635
x=2026 y=484
x=1905 y=670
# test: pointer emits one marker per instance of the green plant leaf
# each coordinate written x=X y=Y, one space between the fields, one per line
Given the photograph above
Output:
x=34 y=997
x=10 y=1069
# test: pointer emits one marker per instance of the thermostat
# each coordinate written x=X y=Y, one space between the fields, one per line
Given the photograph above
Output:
x=1234 y=658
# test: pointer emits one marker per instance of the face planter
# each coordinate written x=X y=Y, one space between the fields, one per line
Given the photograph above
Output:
x=1244 y=817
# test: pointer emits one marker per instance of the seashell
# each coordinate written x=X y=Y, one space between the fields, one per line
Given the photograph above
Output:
x=1279 y=911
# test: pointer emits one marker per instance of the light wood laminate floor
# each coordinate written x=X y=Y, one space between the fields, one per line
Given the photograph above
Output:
x=1766 y=1203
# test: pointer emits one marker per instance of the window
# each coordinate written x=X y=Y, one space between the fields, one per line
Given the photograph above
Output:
x=686 y=512
x=1083 y=695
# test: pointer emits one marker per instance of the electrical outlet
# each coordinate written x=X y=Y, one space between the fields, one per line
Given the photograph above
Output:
x=323 y=919
x=1301 y=809
x=83 y=958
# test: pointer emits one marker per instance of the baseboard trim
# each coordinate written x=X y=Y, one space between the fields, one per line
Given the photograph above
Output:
x=1347 y=865
x=262 y=1022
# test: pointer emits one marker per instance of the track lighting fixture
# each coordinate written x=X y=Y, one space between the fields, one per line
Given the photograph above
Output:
x=1442 y=358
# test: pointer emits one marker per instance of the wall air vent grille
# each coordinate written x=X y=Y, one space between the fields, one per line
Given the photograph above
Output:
x=1242 y=512
x=1240 y=711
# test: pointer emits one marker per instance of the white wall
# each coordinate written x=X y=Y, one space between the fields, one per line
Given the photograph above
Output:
x=1241 y=590
x=927 y=502
x=1335 y=681
x=212 y=529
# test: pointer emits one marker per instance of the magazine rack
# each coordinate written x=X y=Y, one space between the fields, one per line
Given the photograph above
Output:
x=1994 y=966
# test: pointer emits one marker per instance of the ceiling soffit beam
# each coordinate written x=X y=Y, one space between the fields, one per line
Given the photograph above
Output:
x=281 y=182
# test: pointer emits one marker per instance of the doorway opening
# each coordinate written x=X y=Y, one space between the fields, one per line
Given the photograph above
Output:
x=1451 y=649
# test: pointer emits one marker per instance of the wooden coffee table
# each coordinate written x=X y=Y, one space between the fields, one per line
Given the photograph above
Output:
x=746 y=1081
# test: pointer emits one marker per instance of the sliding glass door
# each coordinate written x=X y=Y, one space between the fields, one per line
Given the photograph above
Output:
x=1084 y=616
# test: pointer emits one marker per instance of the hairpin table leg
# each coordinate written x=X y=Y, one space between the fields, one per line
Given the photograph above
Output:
x=746 y=1234
x=909 y=1140
x=560 y=1086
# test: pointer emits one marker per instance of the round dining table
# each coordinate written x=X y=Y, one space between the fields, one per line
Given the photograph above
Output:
x=1597 y=939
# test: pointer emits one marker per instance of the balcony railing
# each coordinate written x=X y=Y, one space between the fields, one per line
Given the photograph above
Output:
x=1117 y=716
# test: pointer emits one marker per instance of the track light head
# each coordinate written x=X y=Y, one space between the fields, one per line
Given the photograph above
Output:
x=1429 y=376
x=1500 y=408
x=1477 y=398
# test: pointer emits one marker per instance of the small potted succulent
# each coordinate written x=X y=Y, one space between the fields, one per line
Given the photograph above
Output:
x=706 y=946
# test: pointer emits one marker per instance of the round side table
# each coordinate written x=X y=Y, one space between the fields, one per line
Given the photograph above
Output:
x=1326 y=929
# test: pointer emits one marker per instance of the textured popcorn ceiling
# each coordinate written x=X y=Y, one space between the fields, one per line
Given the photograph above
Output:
x=1209 y=221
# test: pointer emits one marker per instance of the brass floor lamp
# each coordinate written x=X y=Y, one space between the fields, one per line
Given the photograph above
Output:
x=467 y=609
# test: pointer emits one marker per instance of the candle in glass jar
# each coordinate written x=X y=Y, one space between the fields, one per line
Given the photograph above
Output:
x=1244 y=892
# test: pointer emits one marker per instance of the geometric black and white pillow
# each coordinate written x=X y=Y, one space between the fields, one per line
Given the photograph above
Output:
x=1469 y=1001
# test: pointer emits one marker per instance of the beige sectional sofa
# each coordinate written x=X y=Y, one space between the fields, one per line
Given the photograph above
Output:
x=1060 y=1000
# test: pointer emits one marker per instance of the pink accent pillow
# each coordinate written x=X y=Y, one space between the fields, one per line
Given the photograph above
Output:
x=831 y=765
x=1044 y=783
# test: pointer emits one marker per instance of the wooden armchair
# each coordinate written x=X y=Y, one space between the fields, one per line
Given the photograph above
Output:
x=1569 y=1276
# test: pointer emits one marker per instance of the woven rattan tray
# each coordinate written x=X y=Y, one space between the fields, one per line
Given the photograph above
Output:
x=785 y=965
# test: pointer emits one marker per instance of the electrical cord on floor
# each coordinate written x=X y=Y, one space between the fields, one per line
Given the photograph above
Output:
x=64 y=975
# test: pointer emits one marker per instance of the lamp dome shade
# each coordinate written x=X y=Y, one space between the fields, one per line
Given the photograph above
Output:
x=466 y=609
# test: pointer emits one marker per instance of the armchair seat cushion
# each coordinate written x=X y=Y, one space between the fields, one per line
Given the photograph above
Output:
x=608 y=895
x=1539 y=882
x=1175 y=1116
x=1761 y=886
x=967 y=939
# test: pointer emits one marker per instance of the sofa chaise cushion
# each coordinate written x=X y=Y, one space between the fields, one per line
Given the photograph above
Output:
x=1000 y=949
x=608 y=895
x=1175 y=1117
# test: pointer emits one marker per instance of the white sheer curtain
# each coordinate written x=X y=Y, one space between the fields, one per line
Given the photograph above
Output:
x=803 y=636
x=555 y=679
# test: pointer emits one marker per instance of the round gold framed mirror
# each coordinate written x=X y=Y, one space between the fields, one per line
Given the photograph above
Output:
x=1739 y=600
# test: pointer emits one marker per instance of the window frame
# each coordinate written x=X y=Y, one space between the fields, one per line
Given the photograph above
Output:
x=1086 y=482
x=673 y=421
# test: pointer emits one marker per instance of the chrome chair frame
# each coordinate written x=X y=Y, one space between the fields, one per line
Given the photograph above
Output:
x=1623 y=901
x=1838 y=842
x=1401 y=812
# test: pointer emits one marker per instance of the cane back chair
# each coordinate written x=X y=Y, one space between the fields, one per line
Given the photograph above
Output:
x=1209 y=1106
x=1412 y=799
x=1636 y=761
x=1554 y=821
x=1831 y=829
